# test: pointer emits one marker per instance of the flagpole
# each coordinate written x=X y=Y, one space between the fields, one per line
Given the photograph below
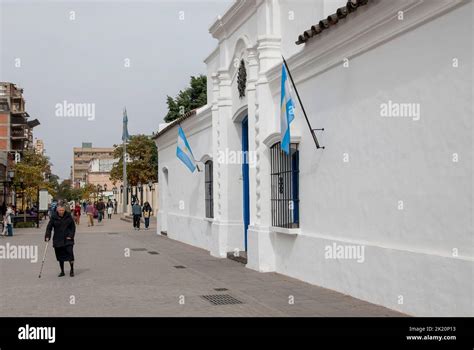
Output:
x=125 y=187
x=302 y=107
x=124 y=165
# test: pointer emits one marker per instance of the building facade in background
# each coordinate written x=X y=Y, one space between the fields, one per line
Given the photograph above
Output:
x=98 y=175
x=39 y=146
x=82 y=157
x=16 y=132
x=383 y=213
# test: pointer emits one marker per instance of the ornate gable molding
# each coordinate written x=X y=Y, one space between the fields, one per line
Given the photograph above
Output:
x=233 y=18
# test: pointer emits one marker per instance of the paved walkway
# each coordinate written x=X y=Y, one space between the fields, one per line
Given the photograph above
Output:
x=108 y=283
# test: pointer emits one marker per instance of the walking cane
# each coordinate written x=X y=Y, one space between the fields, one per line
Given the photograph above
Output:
x=44 y=257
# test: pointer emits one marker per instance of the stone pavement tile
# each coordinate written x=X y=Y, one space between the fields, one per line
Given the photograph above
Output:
x=109 y=284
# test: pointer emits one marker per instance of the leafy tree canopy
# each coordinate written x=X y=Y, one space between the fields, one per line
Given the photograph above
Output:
x=30 y=174
x=143 y=161
x=193 y=97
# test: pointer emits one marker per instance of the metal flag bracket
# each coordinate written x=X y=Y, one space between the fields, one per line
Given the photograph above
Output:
x=316 y=139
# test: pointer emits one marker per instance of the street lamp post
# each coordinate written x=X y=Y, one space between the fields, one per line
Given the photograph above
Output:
x=23 y=199
x=150 y=187
x=140 y=189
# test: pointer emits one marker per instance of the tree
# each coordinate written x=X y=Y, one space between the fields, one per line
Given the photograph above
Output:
x=66 y=192
x=143 y=164
x=30 y=175
x=193 y=97
x=88 y=191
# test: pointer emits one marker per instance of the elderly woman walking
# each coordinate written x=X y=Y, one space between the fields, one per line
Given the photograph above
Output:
x=64 y=229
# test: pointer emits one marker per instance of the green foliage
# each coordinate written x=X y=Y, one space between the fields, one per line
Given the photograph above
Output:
x=143 y=165
x=66 y=192
x=88 y=191
x=193 y=97
x=27 y=224
x=30 y=174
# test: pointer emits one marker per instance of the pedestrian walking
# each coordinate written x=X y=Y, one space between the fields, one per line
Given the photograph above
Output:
x=64 y=229
x=90 y=214
x=77 y=213
x=8 y=222
x=147 y=212
x=100 y=210
x=115 y=206
x=84 y=206
x=110 y=209
x=52 y=208
x=137 y=214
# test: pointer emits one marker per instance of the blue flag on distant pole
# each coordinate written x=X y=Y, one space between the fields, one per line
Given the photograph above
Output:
x=125 y=135
x=183 y=151
x=287 y=112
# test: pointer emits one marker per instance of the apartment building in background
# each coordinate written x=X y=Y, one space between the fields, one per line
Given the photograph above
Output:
x=39 y=146
x=16 y=126
x=16 y=130
x=82 y=157
x=98 y=175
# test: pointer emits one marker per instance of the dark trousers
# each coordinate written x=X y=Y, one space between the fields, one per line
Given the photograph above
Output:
x=136 y=220
x=147 y=222
x=101 y=214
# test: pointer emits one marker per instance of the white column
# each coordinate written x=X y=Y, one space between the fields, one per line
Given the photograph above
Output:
x=261 y=254
x=221 y=114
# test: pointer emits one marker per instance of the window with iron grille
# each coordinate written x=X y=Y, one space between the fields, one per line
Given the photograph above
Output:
x=284 y=186
x=209 y=189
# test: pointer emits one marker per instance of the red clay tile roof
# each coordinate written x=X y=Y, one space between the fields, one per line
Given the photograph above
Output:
x=341 y=13
x=174 y=122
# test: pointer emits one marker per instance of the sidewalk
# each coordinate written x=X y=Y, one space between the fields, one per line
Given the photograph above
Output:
x=161 y=277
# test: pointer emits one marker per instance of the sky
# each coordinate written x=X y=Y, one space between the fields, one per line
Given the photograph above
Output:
x=102 y=55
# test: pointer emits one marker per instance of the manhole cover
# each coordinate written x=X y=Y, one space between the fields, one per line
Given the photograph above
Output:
x=221 y=299
x=180 y=267
x=153 y=252
x=220 y=289
x=138 y=249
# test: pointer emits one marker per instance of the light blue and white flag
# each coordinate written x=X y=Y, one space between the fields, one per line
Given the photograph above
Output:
x=287 y=112
x=183 y=151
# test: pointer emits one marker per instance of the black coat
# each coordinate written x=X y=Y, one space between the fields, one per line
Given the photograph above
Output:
x=63 y=227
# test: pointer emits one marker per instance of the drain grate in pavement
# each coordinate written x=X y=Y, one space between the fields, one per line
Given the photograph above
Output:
x=220 y=289
x=138 y=249
x=153 y=252
x=221 y=299
x=112 y=233
x=180 y=267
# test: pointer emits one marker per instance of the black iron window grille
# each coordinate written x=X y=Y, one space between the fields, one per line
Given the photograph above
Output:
x=285 y=186
x=208 y=182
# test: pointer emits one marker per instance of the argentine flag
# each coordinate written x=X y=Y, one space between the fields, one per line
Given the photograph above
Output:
x=287 y=110
x=183 y=151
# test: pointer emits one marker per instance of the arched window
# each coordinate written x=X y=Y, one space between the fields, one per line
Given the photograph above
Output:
x=208 y=182
x=285 y=186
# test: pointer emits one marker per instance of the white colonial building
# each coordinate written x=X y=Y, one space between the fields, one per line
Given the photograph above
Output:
x=382 y=213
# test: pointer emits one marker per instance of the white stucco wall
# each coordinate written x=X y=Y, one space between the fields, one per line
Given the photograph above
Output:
x=409 y=252
x=182 y=202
